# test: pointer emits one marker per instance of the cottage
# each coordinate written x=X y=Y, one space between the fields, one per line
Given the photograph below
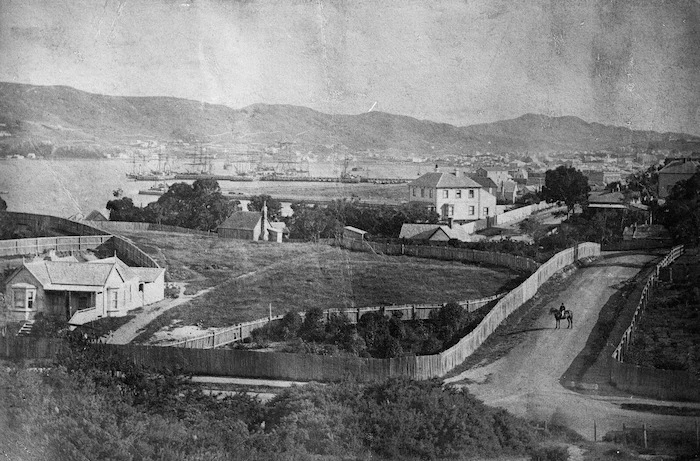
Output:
x=453 y=196
x=108 y=287
x=251 y=225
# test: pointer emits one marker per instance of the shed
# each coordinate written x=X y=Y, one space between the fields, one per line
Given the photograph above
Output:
x=353 y=233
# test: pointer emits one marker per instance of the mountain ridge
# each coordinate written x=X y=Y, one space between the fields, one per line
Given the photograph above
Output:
x=62 y=115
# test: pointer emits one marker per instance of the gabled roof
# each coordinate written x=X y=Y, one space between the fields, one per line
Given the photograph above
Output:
x=246 y=220
x=494 y=168
x=444 y=180
x=484 y=181
x=680 y=167
x=53 y=273
x=427 y=231
x=147 y=274
x=96 y=216
x=87 y=276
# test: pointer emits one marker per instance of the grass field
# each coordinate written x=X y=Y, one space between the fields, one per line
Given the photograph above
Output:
x=247 y=277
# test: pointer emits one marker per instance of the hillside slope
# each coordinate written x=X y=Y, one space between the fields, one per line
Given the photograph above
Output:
x=64 y=115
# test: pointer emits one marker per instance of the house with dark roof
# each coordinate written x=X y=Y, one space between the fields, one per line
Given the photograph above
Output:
x=674 y=172
x=95 y=289
x=251 y=225
x=498 y=174
x=454 y=197
x=486 y=183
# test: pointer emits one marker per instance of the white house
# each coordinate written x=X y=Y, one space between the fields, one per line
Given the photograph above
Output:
x=99 y=288
x=453 y=197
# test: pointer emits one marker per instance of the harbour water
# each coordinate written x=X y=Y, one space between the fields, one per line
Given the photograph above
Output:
x=76 y=187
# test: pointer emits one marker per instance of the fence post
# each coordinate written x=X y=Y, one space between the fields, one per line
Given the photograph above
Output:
x=595 y=438
x=645 y=434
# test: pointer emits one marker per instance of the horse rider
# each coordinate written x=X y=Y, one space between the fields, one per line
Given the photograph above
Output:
x=562 y=309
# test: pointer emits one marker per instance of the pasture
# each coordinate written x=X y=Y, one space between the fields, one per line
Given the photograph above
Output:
x=247 y=277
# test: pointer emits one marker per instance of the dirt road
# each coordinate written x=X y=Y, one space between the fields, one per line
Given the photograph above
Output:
x=526 y=380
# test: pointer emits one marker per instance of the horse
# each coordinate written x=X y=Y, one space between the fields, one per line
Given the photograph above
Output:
x=558 y=316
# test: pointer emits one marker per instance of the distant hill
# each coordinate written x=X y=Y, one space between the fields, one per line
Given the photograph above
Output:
x=63 y=115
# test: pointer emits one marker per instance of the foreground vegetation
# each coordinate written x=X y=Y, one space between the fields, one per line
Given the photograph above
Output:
x=93 y=406
x=375 y=335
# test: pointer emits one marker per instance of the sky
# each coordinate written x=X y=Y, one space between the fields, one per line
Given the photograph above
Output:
x=632 y=63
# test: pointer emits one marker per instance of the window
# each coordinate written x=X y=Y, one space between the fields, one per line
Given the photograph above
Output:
x=114 y=301
x=422 y=192
x=471 y=193
x=19 y=299
x=23 y=298
x=471 y=210
x=486 y=211
x=446 y=194
x=430 y=193
x=458 y=193
x=450 y=210
x=414 y=191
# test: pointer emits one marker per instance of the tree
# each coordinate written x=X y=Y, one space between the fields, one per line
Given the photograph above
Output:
x=681 y=213
x=274 y=206
x=123 y=209
x=566 y=184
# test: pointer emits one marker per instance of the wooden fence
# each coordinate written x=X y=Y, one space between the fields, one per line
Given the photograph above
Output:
x=654 y=382
x=35 y=246
x=518 y=263
x=124 y=226
x=299 y=367
x=88 y=238
x=244 y=330
x=38 y=221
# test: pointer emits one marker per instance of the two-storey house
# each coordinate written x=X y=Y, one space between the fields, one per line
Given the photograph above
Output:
x=453 y=197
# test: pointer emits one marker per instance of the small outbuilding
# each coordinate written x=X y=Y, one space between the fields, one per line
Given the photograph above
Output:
x=251 y=225
x=353 y=233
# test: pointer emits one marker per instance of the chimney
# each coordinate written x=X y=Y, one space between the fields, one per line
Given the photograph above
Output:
x=436 y=167
x=265 y=234
x=458 y=173
x=449 y=222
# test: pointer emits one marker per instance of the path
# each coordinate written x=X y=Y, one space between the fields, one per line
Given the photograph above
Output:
x=526 y=380
x=130 y=330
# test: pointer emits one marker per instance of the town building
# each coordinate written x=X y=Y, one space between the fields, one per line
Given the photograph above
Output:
x=499 y=175
x=105 y=287
x=454 y=197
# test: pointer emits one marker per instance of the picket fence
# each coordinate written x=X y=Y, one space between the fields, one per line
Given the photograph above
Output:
x=277 y=365
x=653 y=382
x=518 y=263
